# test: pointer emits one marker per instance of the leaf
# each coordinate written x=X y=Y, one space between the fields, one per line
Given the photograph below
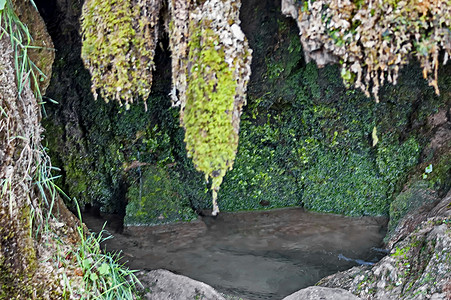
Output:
x=374 y=136
x=2 y=4
x=86 y=263
x=104 y=269
x=428 y=169
x=93 y=277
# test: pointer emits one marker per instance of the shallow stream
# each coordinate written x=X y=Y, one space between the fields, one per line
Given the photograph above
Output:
x=253 y=255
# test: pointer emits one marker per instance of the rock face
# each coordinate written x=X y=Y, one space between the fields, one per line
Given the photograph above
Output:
x=320 y=293
x=419 y=263
x=169 y=286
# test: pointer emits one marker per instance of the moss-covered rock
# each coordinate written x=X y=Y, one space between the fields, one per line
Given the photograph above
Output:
x=408 y=201
x=155 y=199
x=314 y=136
x=373 y=41
x=110 y=141
x=210 y=137
x=210 y=72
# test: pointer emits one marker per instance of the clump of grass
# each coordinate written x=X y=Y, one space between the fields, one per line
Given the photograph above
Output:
x=27 y=73
x=104 y=277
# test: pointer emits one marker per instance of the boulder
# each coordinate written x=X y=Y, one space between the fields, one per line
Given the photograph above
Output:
x=165 y=285
x=321 y=293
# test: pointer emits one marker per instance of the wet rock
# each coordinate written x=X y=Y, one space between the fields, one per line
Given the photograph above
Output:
x=418 y=267
x=320 y=293
x=165 y=285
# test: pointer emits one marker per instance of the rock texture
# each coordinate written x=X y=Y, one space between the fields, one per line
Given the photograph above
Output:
x=166 y=285
x=321 y=293
x=368 y=39
x=419 y=263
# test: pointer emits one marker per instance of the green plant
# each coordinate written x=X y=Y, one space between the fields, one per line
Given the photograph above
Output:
x=27 y=73
x=104 y=277
x=34 y=155
x=157 y=198
x=401 y=253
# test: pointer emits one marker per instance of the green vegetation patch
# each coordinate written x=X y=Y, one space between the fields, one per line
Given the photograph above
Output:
x=210 y=137
x=259 y=180
x=119 y=39
x=346 y=183
x=304 y=139
x=438 y=174
x=154 y=199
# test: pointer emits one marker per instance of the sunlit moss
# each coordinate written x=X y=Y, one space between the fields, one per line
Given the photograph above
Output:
x=118 y=47
x=210 y=138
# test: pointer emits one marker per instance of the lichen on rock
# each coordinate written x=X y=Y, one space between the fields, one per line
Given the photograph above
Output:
x=210 y=69
x=372 y=40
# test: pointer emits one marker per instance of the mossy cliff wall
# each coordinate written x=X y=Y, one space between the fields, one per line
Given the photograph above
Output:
x=23 y=271
x=17 y=249
x=304 y=139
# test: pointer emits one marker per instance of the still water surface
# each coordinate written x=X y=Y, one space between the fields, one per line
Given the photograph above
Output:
x=254 y=255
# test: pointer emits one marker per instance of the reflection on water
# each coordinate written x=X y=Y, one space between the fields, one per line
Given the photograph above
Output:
x=254 y=255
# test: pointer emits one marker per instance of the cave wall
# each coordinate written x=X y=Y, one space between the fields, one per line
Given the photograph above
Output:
x=305 y=139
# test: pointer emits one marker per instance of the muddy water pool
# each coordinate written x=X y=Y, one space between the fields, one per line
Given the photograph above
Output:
x=253 y=255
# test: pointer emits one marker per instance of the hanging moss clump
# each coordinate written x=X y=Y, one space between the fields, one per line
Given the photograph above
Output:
x=372 y=40
x=119 y=39
x=211 y=68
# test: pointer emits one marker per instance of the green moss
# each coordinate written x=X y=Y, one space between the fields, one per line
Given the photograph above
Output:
x=394 y=159
x=440 y=177
x=307 y=140
x=419 y=191
x=311 y=78
x=346 y=183
x=333 y=160
x=210 y=138
x=17 y=256
x=304 y=138
x=258 y=180
x=408 y=201
x=118 y=48
x=155 y=199
x=96 y=157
